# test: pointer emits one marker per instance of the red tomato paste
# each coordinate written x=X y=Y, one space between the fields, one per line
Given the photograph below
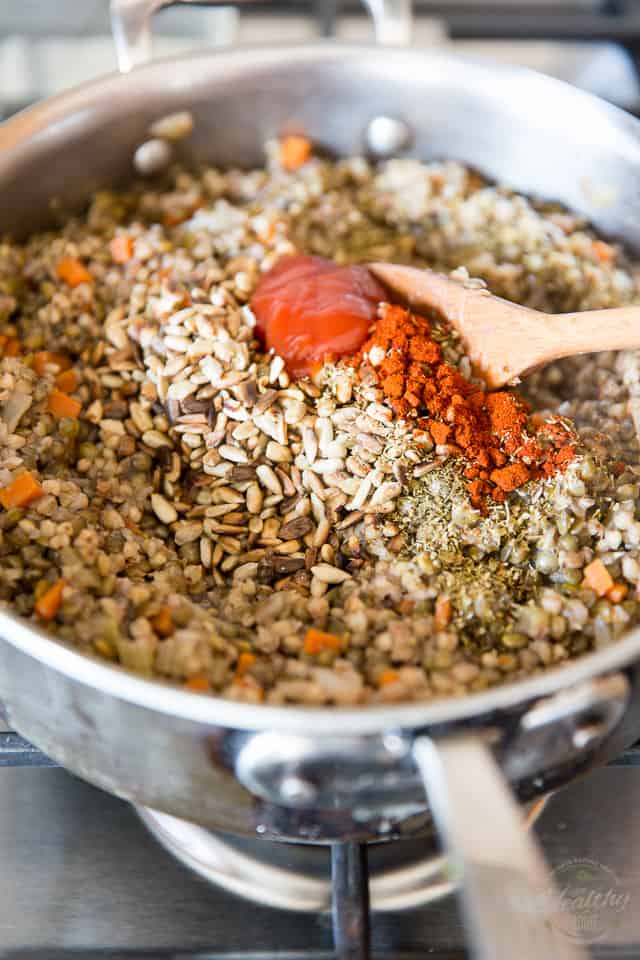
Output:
x=309 y=310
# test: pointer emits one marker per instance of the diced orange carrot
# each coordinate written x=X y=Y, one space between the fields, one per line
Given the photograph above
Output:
x=121 y=248
x=315 y=641
x=67 y=381
x=387 y=677
x=11 y=347
x=162 y=623
x=597 y=578
x=198 y=683
x=245 y=661
x=49 y=603
x=617 y=592
x=294 y=151
x=73 y=272
x=62 y=405
x=268 y=234
x=45 y=358
x=172 y=219
x=20 y=491
x=443 y=612
x=603 y=251
x=618 y=467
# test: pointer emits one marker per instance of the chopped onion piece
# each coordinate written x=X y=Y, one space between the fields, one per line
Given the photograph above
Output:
x=15 y=408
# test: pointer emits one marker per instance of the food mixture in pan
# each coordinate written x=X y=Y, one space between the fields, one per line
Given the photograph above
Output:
x=352 y=519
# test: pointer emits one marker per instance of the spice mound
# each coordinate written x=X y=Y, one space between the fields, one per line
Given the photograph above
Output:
x=350 y=519
x=491 y=430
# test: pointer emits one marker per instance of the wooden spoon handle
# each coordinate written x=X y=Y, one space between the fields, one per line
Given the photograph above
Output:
x=570 y=334
x=503 y=340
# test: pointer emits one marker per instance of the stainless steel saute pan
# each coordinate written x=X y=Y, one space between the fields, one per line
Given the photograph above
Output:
x=310 y=774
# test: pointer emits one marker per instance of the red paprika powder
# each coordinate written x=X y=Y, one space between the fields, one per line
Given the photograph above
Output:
x=490 y=430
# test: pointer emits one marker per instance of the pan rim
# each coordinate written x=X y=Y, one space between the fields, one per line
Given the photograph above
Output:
x=166 y=698
x=35 y=119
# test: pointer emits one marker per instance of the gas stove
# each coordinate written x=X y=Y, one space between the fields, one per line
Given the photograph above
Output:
x=85 y=875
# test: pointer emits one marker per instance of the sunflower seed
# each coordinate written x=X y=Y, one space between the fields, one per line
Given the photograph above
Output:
x=155 y=439
x=327 y=466
x=295 y=529
x=278 y=453
x=235 y=454
x=310 y=443
x=254 y=498
x=242 y=472
x=163 y=510
x=246 y=571
x=351 y=518
x=326 y=573
x=275 y=369
x=266 y=400
x=187 y=532
x=385 y=493
x=268 y=479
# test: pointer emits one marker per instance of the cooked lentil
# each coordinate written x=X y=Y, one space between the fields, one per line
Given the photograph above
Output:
x=195 y=514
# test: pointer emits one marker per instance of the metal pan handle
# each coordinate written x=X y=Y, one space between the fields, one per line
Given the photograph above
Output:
x=131 y=24
x=509 y=901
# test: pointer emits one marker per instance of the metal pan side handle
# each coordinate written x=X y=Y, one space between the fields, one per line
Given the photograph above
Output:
x=510 y=904
x=131 y=28
x=132 y=34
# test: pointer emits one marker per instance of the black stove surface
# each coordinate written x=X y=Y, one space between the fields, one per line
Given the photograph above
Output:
x=81 y=877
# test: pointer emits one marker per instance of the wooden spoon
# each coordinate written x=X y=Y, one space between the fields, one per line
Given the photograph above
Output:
x=505 y=341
